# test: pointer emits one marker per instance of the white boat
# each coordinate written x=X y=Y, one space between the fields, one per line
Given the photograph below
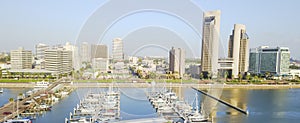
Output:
x=1 y=90
x=18 y=121
x=29 y=93
x=97 y=107
x=42 y=84
x=196 y=116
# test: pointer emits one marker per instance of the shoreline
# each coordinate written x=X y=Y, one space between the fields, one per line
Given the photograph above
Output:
x=148 y=85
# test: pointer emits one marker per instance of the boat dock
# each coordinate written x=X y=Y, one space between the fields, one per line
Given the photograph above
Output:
x=172 y=109
x=145 y=120
x=223 y=102
x=37 y=98
x=97 y=107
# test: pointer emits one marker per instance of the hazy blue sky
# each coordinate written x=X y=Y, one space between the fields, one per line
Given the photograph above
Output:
x=26 y=23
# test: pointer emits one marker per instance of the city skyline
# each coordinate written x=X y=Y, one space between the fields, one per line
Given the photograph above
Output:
x=52 y=26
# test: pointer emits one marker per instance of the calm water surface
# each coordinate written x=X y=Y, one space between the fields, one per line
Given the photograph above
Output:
x=264 y=106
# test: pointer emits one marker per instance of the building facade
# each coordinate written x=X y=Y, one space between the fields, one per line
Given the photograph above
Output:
x=264 y=59
x=85 y=52
x=99 y=51
x=100 y=58
x=238 y=50
x=210 y=43
x=58 y=60
x=40 y=50
x=117 y=50
x=177 y=61
x=75 y=55
x=21 y=59
x=100 y=64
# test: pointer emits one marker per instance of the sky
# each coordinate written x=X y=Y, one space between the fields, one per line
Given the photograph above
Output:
x=26 y=23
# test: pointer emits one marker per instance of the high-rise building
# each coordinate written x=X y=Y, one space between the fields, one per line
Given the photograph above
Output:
x=210 y=43
x=58 y=60
x=177 y=61
x=40 y=50
x=238 y=50
x=99 y=51
x=75 y=55
x=100 y=57
x=85 y=52
x=21 y=59
x=117 y=50
x=272 y=60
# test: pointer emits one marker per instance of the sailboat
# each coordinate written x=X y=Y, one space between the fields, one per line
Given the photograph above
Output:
x=196 y=116
x=18 y=119
x=1 y=90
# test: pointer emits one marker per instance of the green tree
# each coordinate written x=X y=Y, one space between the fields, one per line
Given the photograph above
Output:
x=11 y=100
x=201 y=75
x=256 y=78
x=240 y=77
x=267 y=74
x=226 y=75
x=0 y=73
x=248 y=77
x=208 y=75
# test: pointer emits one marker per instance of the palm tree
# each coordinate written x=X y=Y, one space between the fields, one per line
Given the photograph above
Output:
x=248 y=77
x=11 y=100
x=240 y=77
x=226 y=76
x=267 y=75
x=201 y=75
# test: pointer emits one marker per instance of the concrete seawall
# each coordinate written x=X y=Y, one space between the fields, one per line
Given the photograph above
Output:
x=145 y=85
x=17 y=85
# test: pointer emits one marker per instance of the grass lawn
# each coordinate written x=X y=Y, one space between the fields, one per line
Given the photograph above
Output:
x=16 y=81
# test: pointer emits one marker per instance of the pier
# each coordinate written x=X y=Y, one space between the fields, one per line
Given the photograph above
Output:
x=13 y=109
x=223 y=102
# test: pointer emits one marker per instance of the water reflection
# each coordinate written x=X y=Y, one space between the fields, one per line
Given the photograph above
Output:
x=274 y=106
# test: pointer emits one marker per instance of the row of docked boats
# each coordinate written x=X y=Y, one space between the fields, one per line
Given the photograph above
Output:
x=168 y=105
x=97 y=108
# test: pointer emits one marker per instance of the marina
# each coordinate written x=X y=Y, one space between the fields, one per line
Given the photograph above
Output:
x=135 y=107
x=33 y=102
x=171 y=108
x=97 y=107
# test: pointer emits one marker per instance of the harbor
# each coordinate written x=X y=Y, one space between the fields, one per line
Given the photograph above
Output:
x=169 y=106
x=34 y=102
x=136 y=107
x=97 y=107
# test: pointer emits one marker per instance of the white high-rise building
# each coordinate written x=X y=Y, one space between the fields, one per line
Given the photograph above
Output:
x=264 y=59
x=85 y=52
x=58 y=60
x=117 y=50
x=210 y=43
x=177 y=61
x=238 y=50
x=75 y=55
x=40 y=50
x=21 y=59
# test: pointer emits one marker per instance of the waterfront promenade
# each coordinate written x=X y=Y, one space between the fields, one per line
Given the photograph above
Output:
x=146 y=85
x=9 y=110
